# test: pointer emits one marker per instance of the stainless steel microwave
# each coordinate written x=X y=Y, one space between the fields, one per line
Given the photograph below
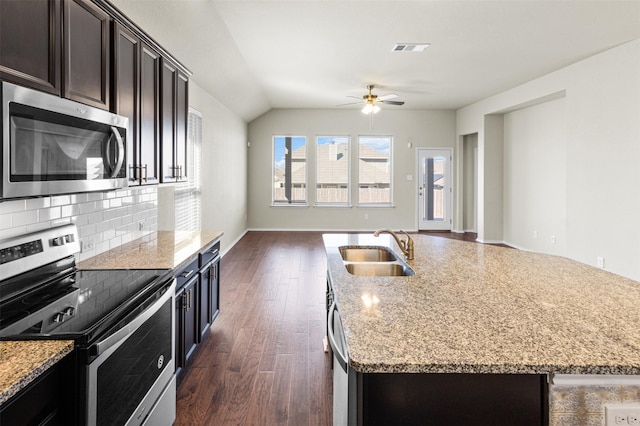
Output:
x=52 y=145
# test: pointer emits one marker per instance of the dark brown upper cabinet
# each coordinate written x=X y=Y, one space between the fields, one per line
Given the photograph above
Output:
x=149 y=159
x=31 y=43
x=136 y=84
x=173 y=113
x=86 y=53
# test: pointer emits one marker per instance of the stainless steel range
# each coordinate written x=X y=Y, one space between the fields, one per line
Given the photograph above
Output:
x=122 y=322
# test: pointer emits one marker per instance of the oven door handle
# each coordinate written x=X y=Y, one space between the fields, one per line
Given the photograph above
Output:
x=120 y=335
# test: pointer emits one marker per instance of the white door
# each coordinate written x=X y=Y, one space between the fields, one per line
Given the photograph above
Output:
x=434 y=188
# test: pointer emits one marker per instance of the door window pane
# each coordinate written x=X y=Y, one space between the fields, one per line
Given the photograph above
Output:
x=433 y=174
x=332 y=170
x=374 y=170
x=289 y=170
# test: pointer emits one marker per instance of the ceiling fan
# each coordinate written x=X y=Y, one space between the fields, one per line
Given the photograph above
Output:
x=371 y=101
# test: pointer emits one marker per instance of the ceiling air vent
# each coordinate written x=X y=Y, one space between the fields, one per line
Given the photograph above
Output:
x=410 y=47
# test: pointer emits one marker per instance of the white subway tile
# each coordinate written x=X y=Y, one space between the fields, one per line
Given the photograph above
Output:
x=49 y=214
x=12 y=206
x=60 y=200
x=25 y=218
x=37 y=203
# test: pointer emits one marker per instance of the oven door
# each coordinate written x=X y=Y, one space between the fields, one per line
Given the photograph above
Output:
x=132 y=380
x=53 y=145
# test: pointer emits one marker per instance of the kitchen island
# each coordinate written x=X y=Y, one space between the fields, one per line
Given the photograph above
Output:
x=476 y=309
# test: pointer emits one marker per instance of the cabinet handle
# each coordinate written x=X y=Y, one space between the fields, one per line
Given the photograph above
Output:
x=188 y=300
x=186 y=274
x=145 y=178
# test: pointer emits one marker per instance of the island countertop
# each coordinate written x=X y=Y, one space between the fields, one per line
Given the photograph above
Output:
x=158 y=250
x=474 y=308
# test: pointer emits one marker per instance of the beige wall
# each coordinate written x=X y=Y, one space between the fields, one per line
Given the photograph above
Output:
x=224 y=167
x=420 y=128
x=535 y=190
x=601 y=107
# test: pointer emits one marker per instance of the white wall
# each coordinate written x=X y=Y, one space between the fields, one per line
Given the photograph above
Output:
x=420 y=128
x=224 y=167
x=535 y=190
x=602 y=107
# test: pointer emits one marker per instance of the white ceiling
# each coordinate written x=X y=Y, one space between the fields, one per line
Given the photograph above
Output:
x=256 y=55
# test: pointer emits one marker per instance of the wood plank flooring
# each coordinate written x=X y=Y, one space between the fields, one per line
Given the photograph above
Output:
x=263 y=362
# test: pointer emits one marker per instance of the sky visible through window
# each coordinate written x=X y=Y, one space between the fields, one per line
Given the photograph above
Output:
x=278 y=147
x=378 y=143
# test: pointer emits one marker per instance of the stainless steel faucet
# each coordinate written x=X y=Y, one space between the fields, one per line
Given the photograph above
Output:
x=405 y=245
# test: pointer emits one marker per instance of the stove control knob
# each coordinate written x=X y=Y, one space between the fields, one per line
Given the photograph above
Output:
x=69 y=311
x=59 y=317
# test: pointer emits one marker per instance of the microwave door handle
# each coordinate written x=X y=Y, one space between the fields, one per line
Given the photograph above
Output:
x=120 y=159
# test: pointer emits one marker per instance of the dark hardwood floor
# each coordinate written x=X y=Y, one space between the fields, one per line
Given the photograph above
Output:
x=262 y=362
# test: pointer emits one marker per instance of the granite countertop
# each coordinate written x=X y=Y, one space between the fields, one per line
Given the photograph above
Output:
x=23 y=361
x=474 y=308
x=158 y=250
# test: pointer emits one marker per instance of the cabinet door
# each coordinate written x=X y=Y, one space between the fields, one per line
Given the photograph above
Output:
x=182 y=111
x=179 y=330
x=205 y=290
x=30 y=53
x=149 y=114
x=86 y=53
x=126 y=84
x=190 y=312
x=168 y=80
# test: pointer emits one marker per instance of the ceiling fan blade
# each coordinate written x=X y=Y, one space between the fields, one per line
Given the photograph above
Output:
x=387 y=96
x=393 y=102
x=350 y=103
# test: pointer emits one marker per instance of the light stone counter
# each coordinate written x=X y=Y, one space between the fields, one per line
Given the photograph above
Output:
x=473 y=308
x=158 y=250
x=21 y=362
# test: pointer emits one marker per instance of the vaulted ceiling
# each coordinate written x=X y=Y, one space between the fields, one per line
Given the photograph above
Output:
x=253 y=56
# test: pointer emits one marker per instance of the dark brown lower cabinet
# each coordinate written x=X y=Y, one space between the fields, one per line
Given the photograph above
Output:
x=187 y=336
x=197 y=302
x=452 y=399
x=48 y=400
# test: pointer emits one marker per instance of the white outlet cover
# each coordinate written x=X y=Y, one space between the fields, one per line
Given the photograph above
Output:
x=623 y=414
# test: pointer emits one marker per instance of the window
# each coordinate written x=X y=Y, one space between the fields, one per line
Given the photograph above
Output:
x=332 y=170
x=289 y=170
x=188 y=194
x=374 y=170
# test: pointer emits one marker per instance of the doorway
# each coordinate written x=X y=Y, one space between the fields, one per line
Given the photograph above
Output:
x=434 y=188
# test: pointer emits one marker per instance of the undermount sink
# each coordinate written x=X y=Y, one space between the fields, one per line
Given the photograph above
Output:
x=373 y=261
x=367 y=254
x=379 y=269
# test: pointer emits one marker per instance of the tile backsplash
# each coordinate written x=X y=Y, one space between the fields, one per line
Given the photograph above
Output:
x=105 y=220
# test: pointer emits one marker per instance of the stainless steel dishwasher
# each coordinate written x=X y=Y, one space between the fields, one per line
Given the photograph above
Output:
x=343 y=375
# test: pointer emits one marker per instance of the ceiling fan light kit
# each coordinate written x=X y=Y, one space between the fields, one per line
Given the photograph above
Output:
x=370 y=107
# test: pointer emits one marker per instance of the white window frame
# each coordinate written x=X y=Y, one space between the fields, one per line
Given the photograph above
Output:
x=302 y=203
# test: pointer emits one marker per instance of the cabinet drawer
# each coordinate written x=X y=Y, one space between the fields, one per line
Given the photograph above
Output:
x=187 y=273
x=210 y=253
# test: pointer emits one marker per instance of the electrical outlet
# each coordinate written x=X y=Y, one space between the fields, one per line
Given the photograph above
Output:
x=626 y=414
x=600 y=262
x=366 y=216
x=141 y=225
x=86 y=245
x=535 y=235
x=553 y=239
